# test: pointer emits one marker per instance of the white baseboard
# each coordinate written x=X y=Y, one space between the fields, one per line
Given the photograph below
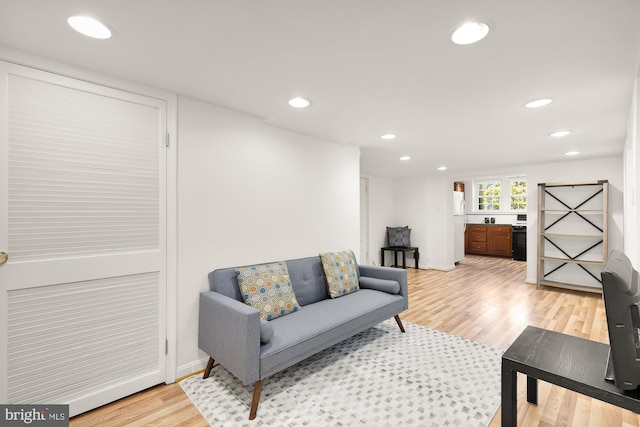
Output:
x=439 y=267
x=190 y=368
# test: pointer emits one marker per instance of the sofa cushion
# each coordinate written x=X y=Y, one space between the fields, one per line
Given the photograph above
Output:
x=399 y=237
x=267 y=288
x=307 y=279
x=388 y=286
x=340 y=272
x=323 y=324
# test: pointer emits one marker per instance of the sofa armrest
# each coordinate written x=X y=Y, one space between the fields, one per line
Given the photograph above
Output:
x=229 y=331
x=388 y=273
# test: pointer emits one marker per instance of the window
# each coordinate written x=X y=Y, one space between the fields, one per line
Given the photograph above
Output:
x=518 y=194
x=489 y=196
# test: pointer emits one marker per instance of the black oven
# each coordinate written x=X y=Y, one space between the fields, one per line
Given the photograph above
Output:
x=519 y=242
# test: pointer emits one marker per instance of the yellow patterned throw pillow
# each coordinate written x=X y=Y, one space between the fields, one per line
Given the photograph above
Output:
x=267 y=288
x=340 y=272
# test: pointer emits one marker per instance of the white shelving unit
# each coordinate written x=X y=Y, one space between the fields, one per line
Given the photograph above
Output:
x=572 y=234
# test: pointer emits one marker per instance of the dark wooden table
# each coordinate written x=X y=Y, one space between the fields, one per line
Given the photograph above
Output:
x=403 y=251
x=574 y=363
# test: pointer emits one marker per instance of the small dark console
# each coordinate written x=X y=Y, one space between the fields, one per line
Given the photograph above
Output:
x=574 y=363
x=621 y=297
x=403 y=251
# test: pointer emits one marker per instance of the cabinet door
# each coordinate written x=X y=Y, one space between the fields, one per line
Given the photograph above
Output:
x=499 y=241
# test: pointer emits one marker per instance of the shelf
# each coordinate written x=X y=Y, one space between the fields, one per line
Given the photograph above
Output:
x=572 y=261
x=572 y=286
x=567 y=238
x=561 y=211
x=581 y=236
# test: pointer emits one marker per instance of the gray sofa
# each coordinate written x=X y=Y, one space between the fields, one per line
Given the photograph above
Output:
x=234 y=336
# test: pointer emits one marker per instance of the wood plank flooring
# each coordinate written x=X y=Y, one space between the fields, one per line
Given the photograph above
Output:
x=484 y=299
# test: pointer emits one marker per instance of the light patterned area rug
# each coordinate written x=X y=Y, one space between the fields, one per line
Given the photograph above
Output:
x=380 y=377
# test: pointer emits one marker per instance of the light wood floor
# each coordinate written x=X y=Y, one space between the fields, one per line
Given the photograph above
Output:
x=484 y=299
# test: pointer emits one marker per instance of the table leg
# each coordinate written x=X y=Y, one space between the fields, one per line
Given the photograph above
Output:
x=416 y=257
x=509 y=413
x=395 y=258
x=532 y=390
x=382 y=257
x=404 y=259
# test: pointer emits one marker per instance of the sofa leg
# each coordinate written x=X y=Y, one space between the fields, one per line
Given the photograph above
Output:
x=399 y=322
x=257 y=389
x=208 y=369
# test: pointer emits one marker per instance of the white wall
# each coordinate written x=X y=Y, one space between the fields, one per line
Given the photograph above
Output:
x=631 y=184
x=406 y=202
x=425 y=204
x=251 y=193
x=440 y=246
x=380 y=214
x=410 y=205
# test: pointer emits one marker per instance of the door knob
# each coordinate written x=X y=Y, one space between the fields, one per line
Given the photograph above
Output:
x=4 y=257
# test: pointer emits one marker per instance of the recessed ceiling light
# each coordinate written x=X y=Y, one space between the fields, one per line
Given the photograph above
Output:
x=470 y=32
x=299 y=102
x=405 y=158
x=90 y=27
x=571 y=153
x=442 y=168
x=538 y=103
x=560 y=133
x=389 y=136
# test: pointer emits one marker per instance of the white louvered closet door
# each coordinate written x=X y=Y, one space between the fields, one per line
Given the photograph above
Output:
x=82 y=218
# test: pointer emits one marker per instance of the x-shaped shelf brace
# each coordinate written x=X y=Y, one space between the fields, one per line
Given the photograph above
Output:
x=573 y=210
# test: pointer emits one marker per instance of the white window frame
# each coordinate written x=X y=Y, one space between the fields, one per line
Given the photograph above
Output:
x=505 y=194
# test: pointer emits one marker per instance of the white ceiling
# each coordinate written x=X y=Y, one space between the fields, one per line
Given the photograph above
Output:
x=371 y=67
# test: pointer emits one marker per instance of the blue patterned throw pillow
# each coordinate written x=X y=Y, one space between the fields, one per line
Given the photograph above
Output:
x=340 y=272
x=267 y=288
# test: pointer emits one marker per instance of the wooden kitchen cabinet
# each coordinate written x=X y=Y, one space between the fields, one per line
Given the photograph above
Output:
x=477 y=239
x=499 y=240
x=488 y=240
